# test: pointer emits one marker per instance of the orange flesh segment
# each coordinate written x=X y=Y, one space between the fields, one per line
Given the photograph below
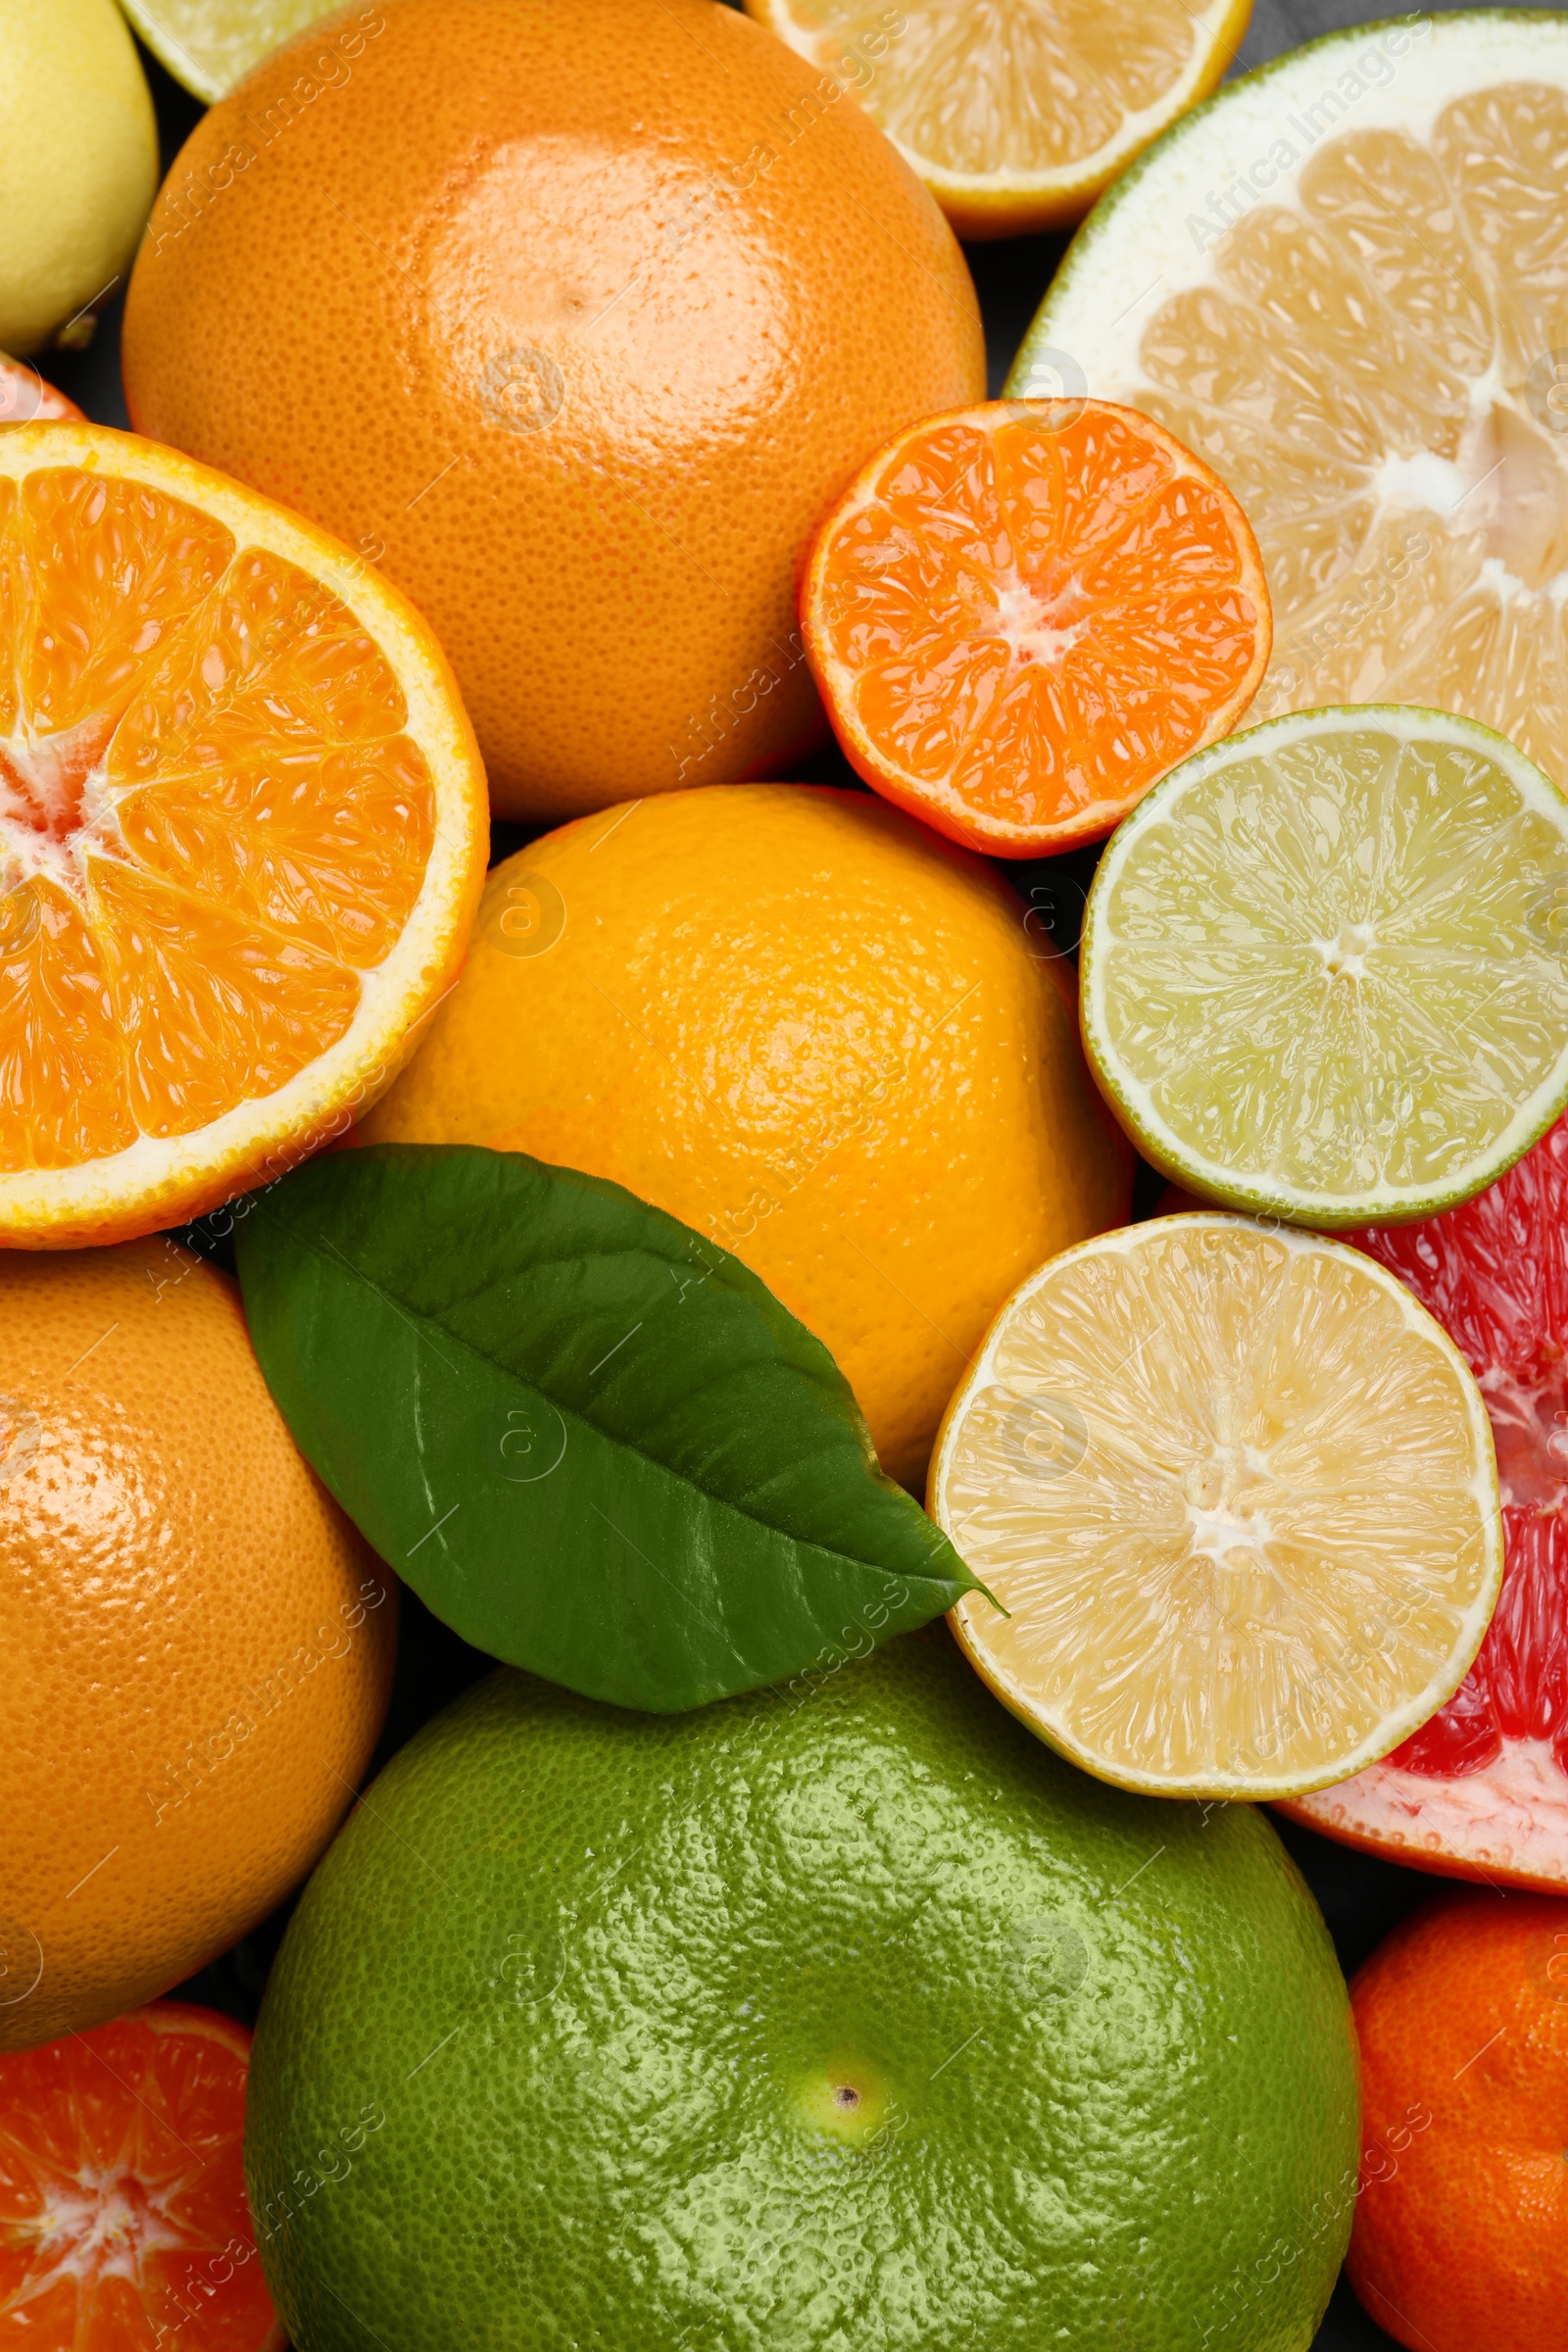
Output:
x=1036 y=611
x=123 y=2213
x=212 y=820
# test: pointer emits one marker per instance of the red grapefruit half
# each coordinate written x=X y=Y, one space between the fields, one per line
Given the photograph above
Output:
x=1480 y=1792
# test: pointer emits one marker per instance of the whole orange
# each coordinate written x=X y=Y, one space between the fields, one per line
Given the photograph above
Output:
x=195 y=1646
x=575 y=317
x=812 y=1029
x=1461 y=2220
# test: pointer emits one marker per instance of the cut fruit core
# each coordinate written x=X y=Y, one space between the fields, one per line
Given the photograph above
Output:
x=213 y=824
x=123 y=2213
x=1380 y=371
x=1324 y=970
x=1236 y=1492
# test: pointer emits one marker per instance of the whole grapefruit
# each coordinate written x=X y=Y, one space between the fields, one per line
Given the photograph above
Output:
x=196 y=1646
x=806 y=1026
x=575 y=318
x=851 y=2020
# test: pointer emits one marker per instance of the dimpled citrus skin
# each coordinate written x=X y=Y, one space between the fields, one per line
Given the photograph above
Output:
x=607 y=1978
x=195 y=1646
x=799 y=1022
x=575 y=318
x=1461 y=2220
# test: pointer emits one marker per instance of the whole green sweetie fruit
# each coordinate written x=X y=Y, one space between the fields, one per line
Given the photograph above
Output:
x=846 y=2018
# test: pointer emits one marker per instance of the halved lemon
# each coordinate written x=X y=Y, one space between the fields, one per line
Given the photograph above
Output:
x=1016 y=112
x=242 y=835
x=1324 y=970
x=1236 y=1490
x=1345 y=282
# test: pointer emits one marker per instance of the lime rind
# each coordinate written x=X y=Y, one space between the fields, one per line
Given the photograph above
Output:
x=996 y=1363
x=1408 y=1122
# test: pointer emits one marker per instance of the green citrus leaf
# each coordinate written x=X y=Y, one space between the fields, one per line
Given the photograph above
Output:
x=593 y=1441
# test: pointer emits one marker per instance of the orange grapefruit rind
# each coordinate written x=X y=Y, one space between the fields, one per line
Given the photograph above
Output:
x=242 y=829
x=1022 y=615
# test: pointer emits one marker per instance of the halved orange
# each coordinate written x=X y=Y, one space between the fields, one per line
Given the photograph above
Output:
x=242 y=835
x=1020 y=616
x=122 y=2215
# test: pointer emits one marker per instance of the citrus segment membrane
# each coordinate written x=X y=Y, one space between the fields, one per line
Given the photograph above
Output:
x=165 y=864
x=1236 y=1492
x=1023 y=613
x=1016 y=115
x=218 y=814
x=1324 y=971
x=123 y=2213
x=1365 y=331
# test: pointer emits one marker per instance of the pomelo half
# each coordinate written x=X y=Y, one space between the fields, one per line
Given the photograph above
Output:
x=1344 y=281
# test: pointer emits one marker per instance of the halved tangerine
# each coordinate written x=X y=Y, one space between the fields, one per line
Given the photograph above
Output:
x=242 y=835
x=1021 y=615
x=123 y=2222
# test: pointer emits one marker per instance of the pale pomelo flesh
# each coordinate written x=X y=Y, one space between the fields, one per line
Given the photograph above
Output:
x=1344 y=284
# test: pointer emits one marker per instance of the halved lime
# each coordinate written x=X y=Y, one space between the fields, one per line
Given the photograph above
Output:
x=210 y=45
x=1325 y=966
x=1237 y=1491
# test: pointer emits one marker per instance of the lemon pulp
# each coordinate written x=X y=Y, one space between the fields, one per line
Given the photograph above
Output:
x=1016 y=112
x=1236 y=1490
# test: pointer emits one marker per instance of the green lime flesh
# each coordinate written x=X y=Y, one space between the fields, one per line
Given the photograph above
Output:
x=1323 y=975
x=211 y=45
x=836 y=2019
